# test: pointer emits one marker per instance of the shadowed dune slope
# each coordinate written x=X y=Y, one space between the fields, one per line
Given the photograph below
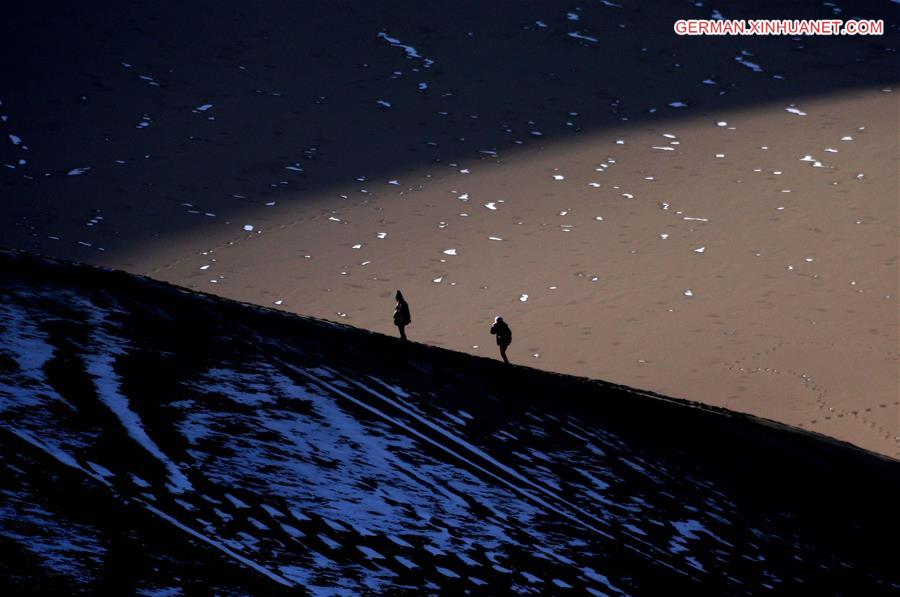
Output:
x=154 y=440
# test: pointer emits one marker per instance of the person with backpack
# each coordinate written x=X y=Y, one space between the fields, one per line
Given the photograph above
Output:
x=504 y=336
x=401 y=315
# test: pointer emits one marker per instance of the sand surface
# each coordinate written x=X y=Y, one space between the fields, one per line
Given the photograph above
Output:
x=712 y=219
x=156 y=442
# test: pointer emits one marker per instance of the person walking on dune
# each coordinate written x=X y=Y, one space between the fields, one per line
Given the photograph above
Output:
x=504 y=336
x=401 y=315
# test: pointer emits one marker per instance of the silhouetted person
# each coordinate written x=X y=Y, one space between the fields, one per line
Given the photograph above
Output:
x=401 y=315
x=504 y=336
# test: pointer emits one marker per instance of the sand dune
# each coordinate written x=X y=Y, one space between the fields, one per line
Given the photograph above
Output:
x=159 y=441
x=710 y=218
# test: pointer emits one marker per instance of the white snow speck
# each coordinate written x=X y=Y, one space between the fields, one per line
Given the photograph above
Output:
x=576 y=35
x=410 y=51
x=751 y=65
x=523 y=298
x=558 y=177
x=688 y=293
x=369 y=552
x=248 y=227
x=78 y=171
x=450 y=252
x=794 y=110
x=101 y=470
